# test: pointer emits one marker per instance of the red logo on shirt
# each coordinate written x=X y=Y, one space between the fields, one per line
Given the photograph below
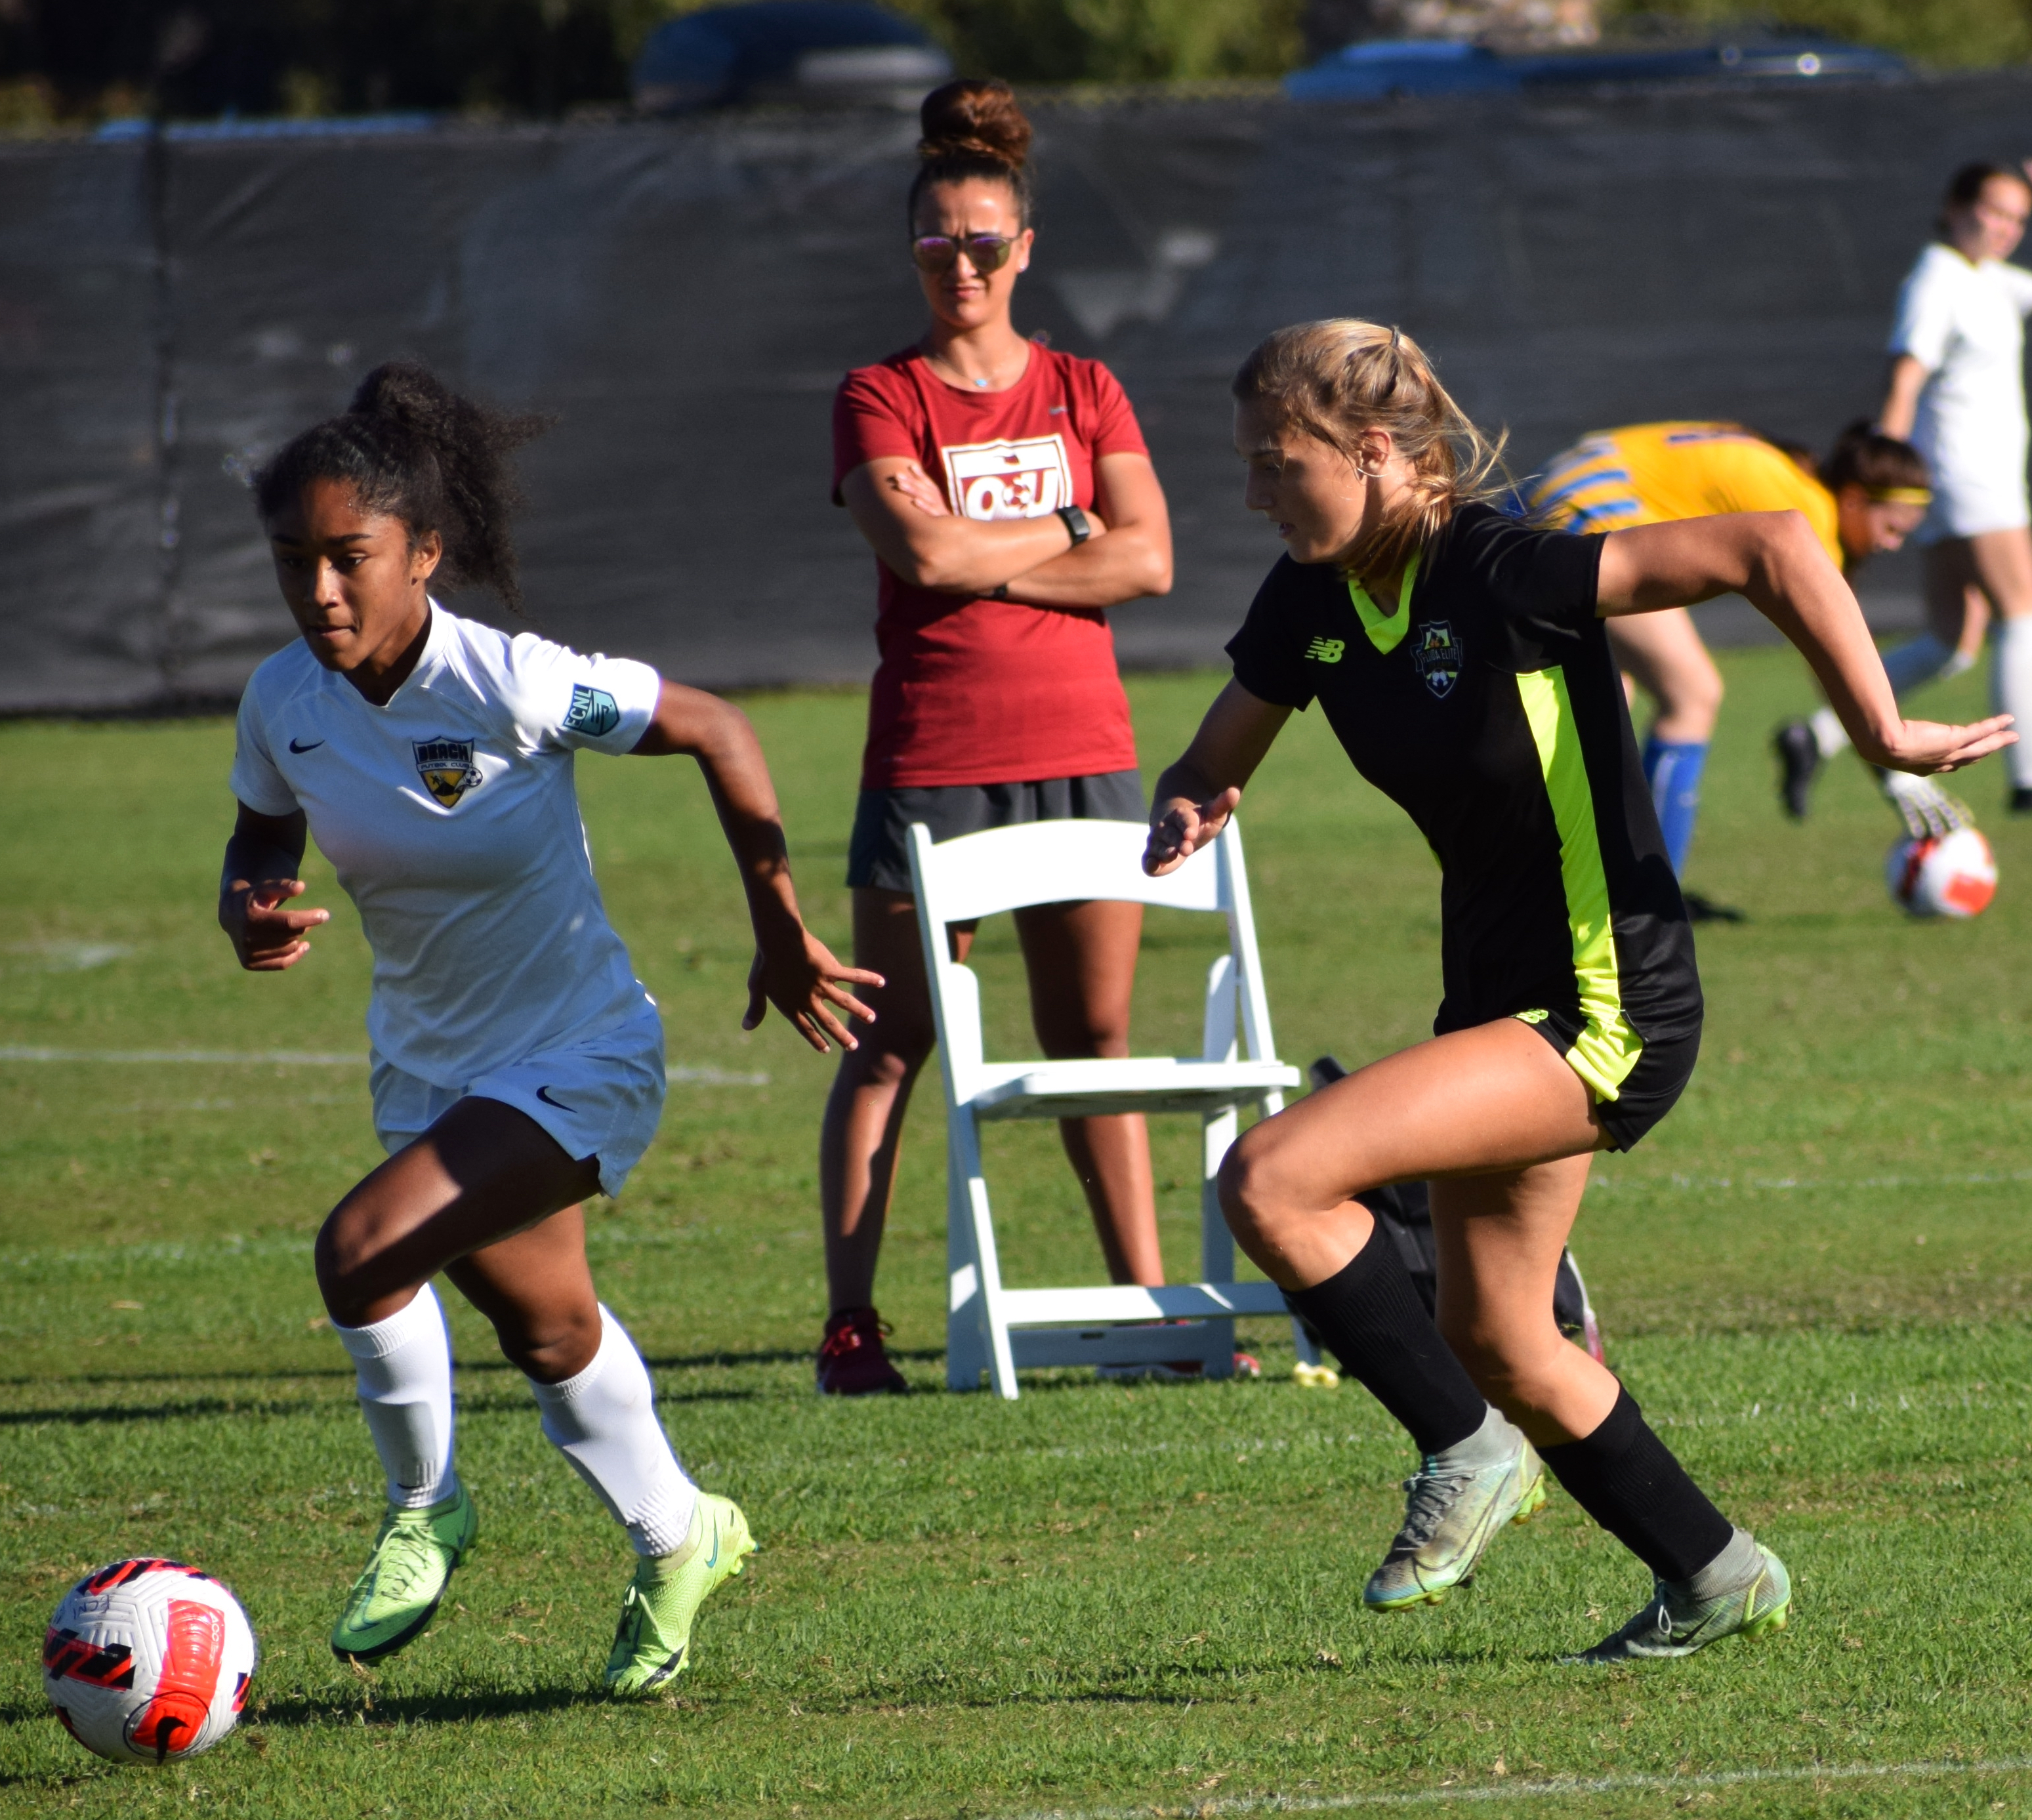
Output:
x=1028 y=479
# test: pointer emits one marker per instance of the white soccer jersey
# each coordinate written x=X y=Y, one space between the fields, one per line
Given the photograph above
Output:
x=451 y=818
x=1965 y=323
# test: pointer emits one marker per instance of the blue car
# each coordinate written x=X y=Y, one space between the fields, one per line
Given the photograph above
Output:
x=1377 y=68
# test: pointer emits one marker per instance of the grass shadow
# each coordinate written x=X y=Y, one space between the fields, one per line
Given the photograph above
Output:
x=192 y=1410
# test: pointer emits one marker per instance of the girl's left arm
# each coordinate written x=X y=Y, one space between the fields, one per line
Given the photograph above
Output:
x=793 y=969
x=1774 y=560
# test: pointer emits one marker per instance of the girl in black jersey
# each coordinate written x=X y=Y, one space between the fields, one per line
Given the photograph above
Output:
x=1461 y=658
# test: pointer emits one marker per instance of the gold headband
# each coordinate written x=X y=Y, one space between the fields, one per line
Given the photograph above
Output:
x=1900 y=495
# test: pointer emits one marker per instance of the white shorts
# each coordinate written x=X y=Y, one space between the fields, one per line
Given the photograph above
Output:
x=600 y=1098
x=1967 y=506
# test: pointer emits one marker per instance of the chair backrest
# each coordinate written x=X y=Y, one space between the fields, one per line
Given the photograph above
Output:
x=1005 y=868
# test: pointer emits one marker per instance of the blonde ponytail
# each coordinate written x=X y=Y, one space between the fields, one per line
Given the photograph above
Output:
x=1335 y=379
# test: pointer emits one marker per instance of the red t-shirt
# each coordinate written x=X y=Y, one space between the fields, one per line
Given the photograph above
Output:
x=990 y=691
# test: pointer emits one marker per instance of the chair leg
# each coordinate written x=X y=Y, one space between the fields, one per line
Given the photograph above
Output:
x=966 y=1349
x=1216 y=1242
x=968 y=1187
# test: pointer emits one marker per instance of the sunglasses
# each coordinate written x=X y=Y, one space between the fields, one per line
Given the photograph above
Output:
x=985 y=252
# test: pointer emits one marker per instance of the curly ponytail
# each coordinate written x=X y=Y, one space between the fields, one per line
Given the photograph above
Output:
x=1335 y=379
x=409 y=446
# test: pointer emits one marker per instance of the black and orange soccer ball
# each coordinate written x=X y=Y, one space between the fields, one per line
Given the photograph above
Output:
x=148 y=1661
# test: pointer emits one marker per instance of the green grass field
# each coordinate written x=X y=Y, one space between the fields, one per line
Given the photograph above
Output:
x=1816 y=1275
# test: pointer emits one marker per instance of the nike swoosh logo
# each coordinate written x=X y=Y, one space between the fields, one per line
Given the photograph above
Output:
x=713 y=1560
x=314 y=745
x=543 y=1094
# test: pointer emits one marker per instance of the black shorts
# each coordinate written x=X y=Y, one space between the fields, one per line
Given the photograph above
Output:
x=879 y=854
x=1649 y=1091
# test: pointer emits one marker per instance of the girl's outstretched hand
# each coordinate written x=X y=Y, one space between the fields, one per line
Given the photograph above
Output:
x=1927 y=746
x=1184 y=829
x=267 y=937
x=803 y=982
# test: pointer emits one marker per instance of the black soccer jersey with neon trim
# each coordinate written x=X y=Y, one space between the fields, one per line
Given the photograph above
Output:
x=1489 y=708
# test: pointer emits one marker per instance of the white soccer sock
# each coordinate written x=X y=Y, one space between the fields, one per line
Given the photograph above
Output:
x=1919 y=660
x=403 y=1366
x=1829 y=735
x=604 y=1422
x=2011 y=691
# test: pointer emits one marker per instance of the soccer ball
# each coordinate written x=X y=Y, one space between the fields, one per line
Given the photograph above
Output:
x=1949 y=875
x=148 y=1660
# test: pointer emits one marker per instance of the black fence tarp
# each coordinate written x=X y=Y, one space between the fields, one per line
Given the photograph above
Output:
x=686 y=296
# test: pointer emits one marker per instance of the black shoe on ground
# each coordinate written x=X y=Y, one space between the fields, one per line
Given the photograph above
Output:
x=1798 y=764
x=2020 y=799
x=1705 y=909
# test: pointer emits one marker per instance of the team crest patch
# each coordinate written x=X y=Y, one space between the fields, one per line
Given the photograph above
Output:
x=593 y=713
x=1437 y=656
x=446 y=768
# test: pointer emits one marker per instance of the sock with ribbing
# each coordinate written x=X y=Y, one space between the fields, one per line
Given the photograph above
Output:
x=603 y=1420
x=1369 y=1316
x=1672 y=768
x=402 y=1370
x=1625 y=1477
x=2011 y=691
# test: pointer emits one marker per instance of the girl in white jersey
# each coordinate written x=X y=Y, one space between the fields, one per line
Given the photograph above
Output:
x=1957 y=393
x=518 y=1064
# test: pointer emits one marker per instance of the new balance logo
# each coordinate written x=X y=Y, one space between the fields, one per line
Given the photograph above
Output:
x=1326 y=650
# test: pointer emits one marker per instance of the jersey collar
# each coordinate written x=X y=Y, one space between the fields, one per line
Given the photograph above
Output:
x=1386 y=630
x=430 y=665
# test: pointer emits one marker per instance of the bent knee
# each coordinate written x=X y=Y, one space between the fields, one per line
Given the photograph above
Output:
x=1255 y=1199
x=351 y=1258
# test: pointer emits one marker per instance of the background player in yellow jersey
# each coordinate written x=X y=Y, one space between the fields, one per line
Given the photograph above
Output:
x=1868 y=495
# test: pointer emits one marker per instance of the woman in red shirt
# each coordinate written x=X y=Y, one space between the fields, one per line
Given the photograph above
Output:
x=1008 y=494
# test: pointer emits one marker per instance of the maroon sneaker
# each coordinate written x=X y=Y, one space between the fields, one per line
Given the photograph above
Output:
x=852 y=1362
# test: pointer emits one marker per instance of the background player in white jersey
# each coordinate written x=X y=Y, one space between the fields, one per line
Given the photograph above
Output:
x=518 y=1064
x=1957 y=393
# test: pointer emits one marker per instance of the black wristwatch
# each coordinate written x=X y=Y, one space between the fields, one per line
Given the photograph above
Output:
x=999 y=592
x=1077 y=524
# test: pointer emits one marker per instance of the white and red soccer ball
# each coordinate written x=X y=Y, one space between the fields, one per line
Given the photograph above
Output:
x=148 y=1660
x=1948 y=874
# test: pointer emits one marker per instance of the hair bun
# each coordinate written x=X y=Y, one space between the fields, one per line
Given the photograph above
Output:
x=978 y=115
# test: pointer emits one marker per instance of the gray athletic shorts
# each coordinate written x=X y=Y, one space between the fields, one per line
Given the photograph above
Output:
x=879 y=854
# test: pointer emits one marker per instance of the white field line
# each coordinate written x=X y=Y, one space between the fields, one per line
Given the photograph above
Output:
x=1552 y=1788
x=1773 y=1184
x=308 y=1059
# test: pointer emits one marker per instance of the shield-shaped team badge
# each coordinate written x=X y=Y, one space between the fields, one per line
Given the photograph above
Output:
x=446 y=768
x=1437 y=656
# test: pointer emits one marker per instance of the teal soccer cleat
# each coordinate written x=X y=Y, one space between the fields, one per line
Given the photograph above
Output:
x=1452 y=1512
x=1679 y=1620
x=398 y=1592
x=652 y=1642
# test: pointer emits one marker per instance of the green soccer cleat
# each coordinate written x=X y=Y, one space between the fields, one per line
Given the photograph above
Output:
x=1677 y=1622
x=1452 y=1513
x=652 y=1642
x=398 y=1594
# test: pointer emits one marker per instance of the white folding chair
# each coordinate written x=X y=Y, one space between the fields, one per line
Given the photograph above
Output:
x=998 y=1330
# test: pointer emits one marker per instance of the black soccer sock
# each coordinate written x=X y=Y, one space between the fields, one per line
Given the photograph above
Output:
x=1625 y=1477
x=1370 y=1315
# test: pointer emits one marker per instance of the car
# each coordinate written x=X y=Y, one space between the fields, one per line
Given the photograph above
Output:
x=1374 y=69
x=785 y=50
